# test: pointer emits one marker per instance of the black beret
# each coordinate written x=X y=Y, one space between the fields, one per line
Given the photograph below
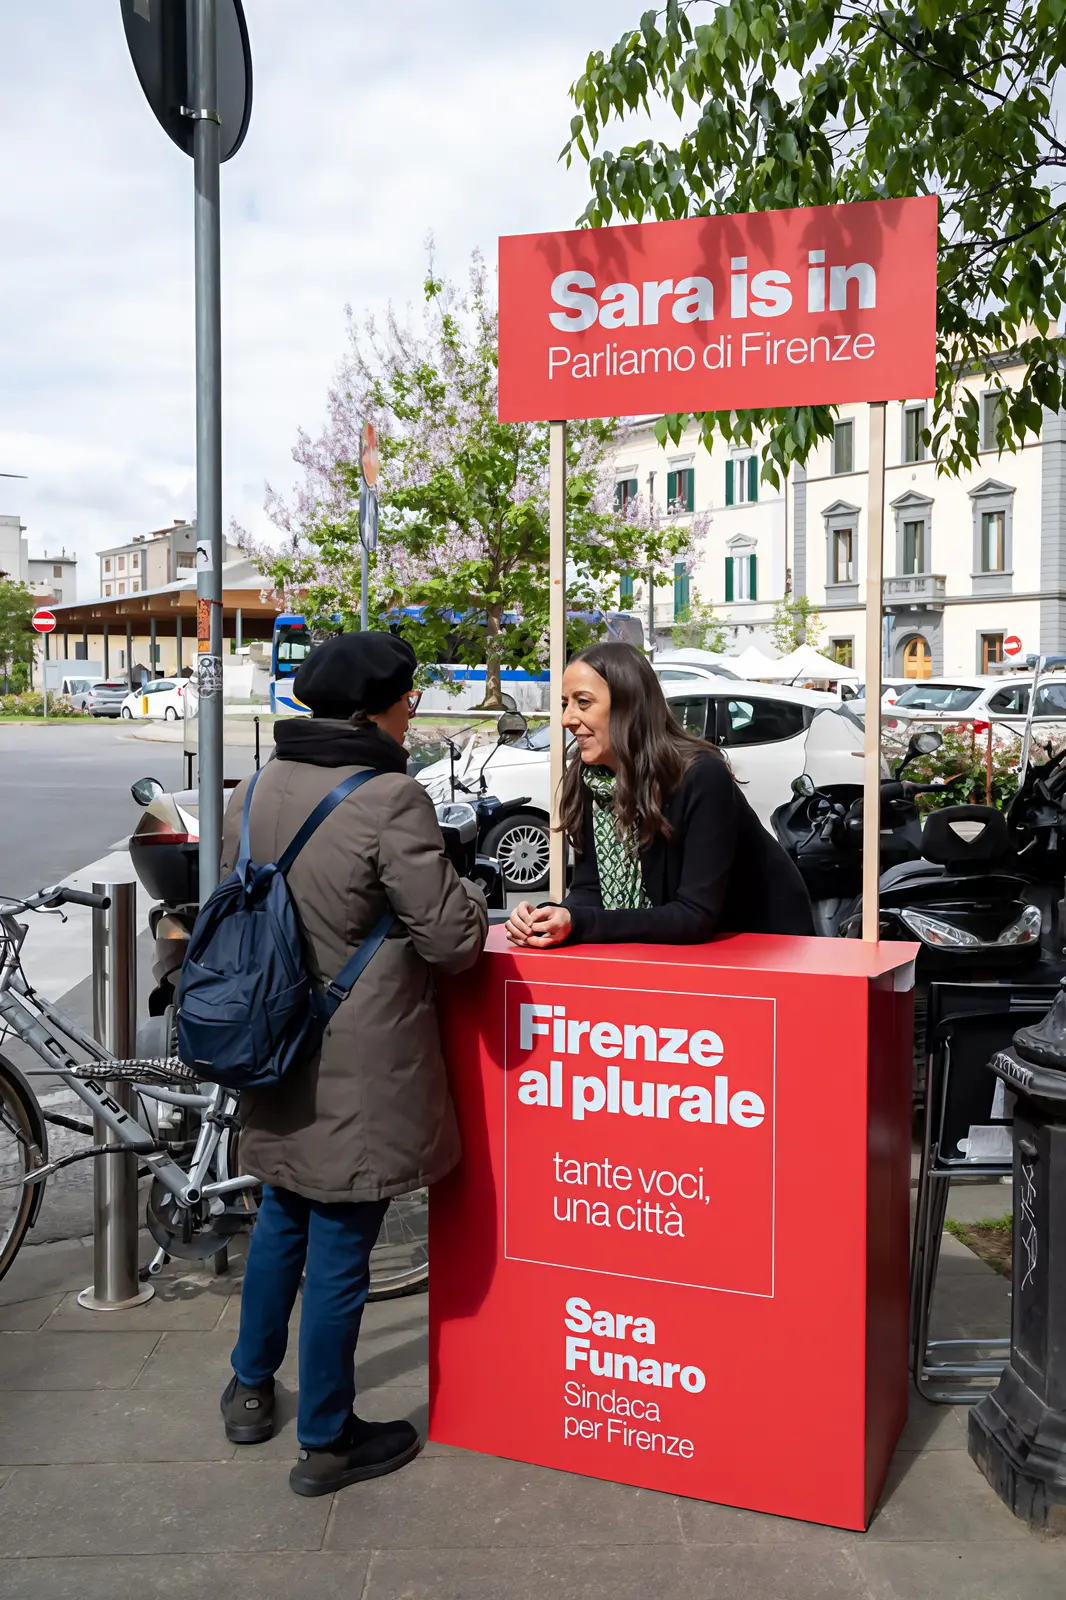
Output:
x=355 y=672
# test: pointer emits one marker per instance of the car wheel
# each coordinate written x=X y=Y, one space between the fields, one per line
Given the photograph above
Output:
x=170 y=715
x=520 y=845
x=126 y=714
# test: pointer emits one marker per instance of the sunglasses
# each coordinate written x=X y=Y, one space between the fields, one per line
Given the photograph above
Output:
x=413 y=700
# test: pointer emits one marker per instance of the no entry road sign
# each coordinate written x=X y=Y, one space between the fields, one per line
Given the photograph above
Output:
x=43 y=621
x=1012 y=645
x=776 y=308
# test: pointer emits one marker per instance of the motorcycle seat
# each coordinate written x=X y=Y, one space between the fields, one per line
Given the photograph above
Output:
x=909 y=872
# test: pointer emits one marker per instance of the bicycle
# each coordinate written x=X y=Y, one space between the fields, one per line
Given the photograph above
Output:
x=193 y=1209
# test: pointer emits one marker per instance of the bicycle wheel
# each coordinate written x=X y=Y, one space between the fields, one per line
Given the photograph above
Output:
x=399 y=1262
x=18 y=1139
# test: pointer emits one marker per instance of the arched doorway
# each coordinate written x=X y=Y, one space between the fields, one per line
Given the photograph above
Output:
x=917 y=658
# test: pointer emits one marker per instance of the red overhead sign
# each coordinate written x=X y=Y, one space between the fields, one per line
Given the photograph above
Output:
x=819 y=305
x=43 y=621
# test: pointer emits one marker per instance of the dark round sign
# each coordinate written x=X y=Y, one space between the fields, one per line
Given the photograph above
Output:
x=160 y=36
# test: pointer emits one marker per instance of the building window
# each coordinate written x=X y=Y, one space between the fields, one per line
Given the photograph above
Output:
x=914 y=547
x=186 y=558
x=842 y=651
x=107 y=564
x=107 y=591
x=122 y=563
x=134 y=586
x=913 y=428
x=742 y=577
x=57 y=572
x=625 y=590
x=122 y=588
x=681 y=589
x=741 y=480
x=135 y=560
x=842 y=555
x=990 y=650
x=625 y=490
x=843 y=447
x=992 y=409
x=917 y=659
x=993 y=541
x=57 y=593
x=681 y=489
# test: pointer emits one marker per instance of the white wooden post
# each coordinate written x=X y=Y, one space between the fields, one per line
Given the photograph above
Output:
x=556 y=646
x=871 y=798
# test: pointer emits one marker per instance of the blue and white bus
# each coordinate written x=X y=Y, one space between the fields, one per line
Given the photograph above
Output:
x=294 y=639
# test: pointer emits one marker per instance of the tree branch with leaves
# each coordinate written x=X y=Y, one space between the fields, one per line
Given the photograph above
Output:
x=818 y=102
x=463 y=498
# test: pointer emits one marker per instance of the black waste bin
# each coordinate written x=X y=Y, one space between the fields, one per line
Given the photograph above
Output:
x=1017 y=1434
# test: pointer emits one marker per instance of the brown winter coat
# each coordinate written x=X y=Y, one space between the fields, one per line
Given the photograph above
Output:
x=371 y=1115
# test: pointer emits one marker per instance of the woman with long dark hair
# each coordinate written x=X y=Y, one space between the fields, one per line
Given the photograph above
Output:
x=667 y=849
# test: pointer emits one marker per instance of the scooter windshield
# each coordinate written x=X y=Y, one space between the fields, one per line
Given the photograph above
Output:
x=830 y=734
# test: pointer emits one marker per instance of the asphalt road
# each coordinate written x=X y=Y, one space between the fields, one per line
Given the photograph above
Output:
x=65 y=795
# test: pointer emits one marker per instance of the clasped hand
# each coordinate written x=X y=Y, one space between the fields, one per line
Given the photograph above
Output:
x=538 y=927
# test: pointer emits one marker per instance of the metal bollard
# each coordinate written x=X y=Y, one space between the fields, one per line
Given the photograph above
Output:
x=115 y=1285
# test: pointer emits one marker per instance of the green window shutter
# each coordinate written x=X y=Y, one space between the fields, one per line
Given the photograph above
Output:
x=672 y=491
x=728 y=578
x=688 y=478
x=625 y=588
x=753 y=569
x=681 y=588
x=753 y=478
x=729 y=483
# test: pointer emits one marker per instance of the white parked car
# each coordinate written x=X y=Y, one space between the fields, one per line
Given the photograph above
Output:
x=76 y=690
x=763 y=728
x=1002 y=700
x=891 y=689
x=678 y=666
x=164 y=697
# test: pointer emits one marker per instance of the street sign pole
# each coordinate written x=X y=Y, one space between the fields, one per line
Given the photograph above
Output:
x=368 y=516
x=206 y=155
x=43 y=622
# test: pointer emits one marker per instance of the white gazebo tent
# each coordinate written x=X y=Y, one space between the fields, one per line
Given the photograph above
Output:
x=753 y=664
x=807 y=662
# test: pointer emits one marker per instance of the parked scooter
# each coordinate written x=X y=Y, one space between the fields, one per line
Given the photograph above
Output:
x=822 y=831
x=164 y=849
x=955 y=886
x=512 y=832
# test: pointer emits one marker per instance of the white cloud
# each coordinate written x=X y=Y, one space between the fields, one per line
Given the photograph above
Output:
x=372 y=126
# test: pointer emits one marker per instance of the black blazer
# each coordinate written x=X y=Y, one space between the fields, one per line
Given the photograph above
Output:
x=719 y=872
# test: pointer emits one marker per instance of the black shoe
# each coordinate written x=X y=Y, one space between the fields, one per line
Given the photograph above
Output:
x=248 y=1413
x=364 y=1450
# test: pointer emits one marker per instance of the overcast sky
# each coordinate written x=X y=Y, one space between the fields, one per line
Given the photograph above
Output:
x=372 y=126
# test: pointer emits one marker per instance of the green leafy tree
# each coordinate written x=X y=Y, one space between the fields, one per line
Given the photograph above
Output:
x=463 y=522
x=16 y=636
x=814 y=102
x=795 y=621
x=696 y=627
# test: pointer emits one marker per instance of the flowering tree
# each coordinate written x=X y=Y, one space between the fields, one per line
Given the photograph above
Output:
x=463 y=499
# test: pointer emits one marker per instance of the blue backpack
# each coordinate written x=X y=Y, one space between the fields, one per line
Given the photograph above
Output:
x=248 y=1009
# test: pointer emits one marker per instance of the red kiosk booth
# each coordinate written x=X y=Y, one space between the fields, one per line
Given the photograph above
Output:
x=675 y=1253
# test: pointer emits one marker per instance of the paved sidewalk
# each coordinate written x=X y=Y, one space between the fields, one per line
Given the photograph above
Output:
x=116 y=1481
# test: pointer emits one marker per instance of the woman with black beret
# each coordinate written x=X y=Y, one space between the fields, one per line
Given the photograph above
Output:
x=370 y=1117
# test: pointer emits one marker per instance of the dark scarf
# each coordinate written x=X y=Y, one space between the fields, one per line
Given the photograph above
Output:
x=321 y=742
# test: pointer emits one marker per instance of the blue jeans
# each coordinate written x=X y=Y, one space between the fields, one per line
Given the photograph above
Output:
x=335 y=1242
